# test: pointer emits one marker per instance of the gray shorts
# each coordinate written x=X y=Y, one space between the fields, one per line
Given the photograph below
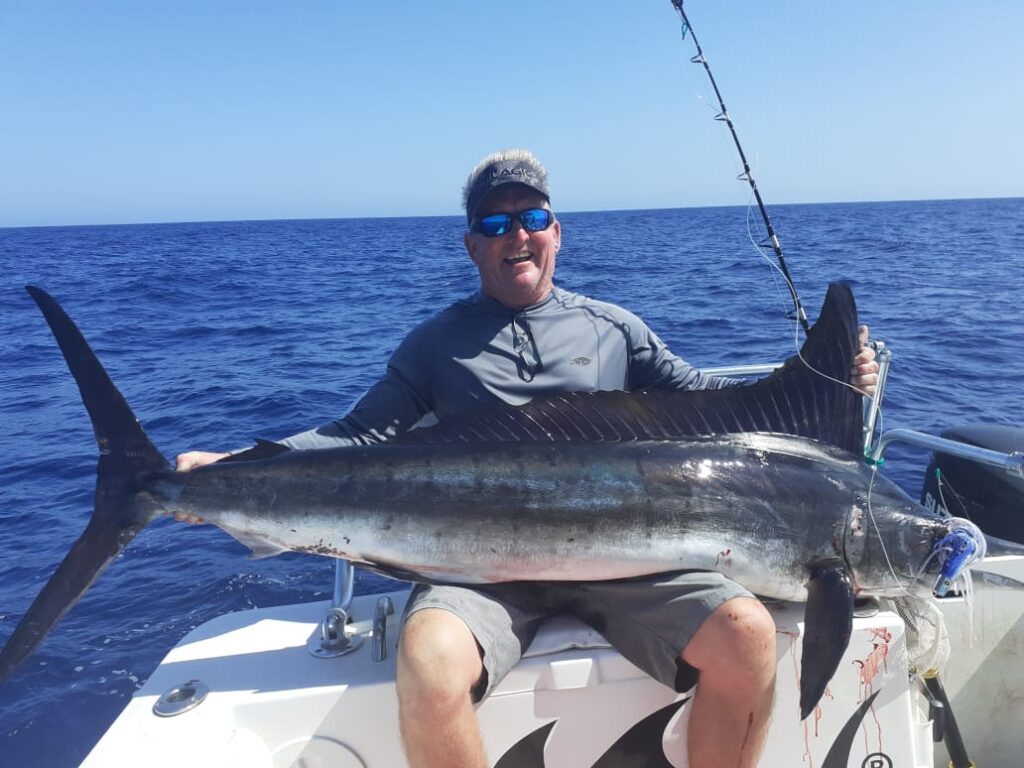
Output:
x=649 y=620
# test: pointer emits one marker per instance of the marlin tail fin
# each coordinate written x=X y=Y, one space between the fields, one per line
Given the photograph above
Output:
x=127 y=458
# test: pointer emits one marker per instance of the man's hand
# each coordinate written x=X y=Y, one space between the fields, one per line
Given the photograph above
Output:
x=864 y=371
x=186 y=461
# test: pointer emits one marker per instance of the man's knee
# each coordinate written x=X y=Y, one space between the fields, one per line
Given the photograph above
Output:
x=736 y=641
x=438 y=657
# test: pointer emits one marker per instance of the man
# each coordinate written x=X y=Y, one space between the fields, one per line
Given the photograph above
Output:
x=521 y=337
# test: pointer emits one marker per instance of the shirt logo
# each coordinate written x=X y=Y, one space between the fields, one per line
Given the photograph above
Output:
x=580 y=361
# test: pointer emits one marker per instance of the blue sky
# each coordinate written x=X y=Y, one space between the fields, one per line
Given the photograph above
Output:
x=119 y=112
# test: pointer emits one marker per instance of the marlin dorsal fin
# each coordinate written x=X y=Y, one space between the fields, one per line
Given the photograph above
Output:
x=807 y=397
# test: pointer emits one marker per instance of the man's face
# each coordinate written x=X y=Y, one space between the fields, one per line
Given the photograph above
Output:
x=515 y=268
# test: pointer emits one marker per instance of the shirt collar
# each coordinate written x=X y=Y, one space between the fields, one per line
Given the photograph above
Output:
x=493 y=306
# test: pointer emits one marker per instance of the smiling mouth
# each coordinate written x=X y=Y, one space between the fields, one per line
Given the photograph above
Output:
x=518 y=259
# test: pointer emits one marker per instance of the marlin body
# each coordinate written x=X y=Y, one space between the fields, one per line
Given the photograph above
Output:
x=750 y=505
x=763 y=483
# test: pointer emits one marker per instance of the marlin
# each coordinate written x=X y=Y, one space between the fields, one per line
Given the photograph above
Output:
x=763 y=483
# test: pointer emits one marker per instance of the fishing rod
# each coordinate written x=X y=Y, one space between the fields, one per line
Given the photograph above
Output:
x=961 y=544
x=747 y=175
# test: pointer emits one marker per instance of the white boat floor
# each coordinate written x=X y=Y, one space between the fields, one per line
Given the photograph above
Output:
x=571 y=703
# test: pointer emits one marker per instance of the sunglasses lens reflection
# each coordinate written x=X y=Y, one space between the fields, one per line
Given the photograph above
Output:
x=535 y=219
x=496 y=224
x=532 y=220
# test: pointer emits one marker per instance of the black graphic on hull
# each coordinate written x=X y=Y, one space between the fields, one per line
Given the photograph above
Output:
x=839 y=755
x=877 y=760
x=639 y=747
x=528 y=752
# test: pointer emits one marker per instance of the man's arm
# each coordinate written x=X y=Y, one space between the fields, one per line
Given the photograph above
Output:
x=393 y=405
x=654 y=366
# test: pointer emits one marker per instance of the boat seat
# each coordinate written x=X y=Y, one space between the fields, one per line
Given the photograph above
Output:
x=564 y=633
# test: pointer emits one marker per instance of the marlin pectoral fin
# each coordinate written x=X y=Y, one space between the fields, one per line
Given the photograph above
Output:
x=828 y=624
x=258 y=548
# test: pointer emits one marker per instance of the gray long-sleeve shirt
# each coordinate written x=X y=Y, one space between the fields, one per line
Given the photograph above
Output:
x=478 y=352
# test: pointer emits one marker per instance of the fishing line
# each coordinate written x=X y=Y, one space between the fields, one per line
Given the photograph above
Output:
x=938 y=487
x=964 y=581
x=796 y=339
x=700 y=88
x=760 y=252
x=881 y=540
x=969 y=604
x=747 y=175
x=940 y=482
x=798 y=316
x=800 y=320
x=916 y=577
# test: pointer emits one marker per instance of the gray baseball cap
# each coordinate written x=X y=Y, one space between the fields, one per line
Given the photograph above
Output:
x=509 y=166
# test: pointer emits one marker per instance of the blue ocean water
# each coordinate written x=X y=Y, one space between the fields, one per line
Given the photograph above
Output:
x=220 y=332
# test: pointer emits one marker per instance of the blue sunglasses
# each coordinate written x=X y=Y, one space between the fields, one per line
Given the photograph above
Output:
x=497 y=224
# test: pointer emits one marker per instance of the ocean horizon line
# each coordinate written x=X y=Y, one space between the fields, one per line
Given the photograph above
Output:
x=178 y=222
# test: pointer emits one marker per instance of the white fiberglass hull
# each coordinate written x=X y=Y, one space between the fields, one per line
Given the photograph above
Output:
x=273 y=705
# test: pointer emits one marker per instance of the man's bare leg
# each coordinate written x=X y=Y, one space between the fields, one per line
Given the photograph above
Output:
x=438 y=664
x=734 y=649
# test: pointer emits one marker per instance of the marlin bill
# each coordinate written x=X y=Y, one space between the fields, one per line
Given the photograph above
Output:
x=763 y=483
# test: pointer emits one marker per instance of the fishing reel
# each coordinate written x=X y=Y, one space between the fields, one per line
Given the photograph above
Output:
x=956 y=551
